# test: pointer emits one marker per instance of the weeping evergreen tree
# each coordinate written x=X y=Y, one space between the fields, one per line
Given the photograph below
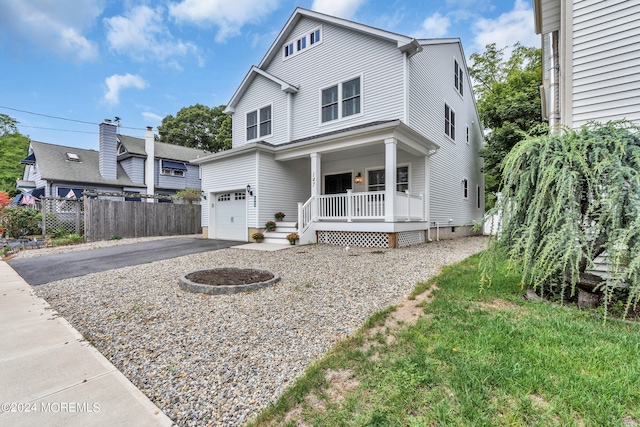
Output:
x=566 y=200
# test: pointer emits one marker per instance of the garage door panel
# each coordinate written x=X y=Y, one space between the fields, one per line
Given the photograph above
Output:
x=231 y=216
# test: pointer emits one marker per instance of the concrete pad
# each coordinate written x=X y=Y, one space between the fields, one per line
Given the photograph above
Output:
x=97 y=402
x=32 y=334
x=268 y=247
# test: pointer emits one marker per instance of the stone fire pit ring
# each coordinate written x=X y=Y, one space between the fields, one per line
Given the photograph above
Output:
x=226 y=289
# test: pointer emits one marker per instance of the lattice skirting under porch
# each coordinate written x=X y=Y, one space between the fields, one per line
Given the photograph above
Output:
x=372 y=239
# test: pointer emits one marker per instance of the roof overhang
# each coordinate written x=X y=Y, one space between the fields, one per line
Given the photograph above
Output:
x=253 y=72
x=408 y=140
x=546 y=15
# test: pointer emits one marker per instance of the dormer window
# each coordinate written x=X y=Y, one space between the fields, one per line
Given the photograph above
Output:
x=302 y=43
x=73 y=157
x=121 y=149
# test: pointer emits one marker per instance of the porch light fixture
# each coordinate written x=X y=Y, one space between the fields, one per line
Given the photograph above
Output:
x=204 y=195
x=249 y=190
x=359 y=178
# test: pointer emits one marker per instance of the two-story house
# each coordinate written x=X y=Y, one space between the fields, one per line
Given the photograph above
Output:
x=123 y=164
x=591 y=60
x=363 y=136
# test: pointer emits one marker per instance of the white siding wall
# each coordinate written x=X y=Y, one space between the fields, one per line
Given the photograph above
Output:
x=363 y=164
x=342 y=55
x=606 y=60
x=282 y=185
x=261 y=92
x=229 y=174
x=431 y=86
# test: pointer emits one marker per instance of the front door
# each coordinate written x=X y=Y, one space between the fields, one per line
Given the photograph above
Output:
x=338 y=183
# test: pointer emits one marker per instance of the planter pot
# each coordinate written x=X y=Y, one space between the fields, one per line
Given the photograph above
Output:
x=292 y=243
x=259 y=241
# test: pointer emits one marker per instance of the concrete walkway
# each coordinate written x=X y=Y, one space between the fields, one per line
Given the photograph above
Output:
x=50 y=376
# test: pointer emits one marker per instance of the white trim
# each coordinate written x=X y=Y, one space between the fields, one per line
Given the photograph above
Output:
x=340 y=100
x=460 y=70
x=257 y=111
x=462 y=182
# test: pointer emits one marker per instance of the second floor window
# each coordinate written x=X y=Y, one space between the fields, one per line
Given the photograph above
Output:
x=341 y=100
x=449 y=122
x=262 y=128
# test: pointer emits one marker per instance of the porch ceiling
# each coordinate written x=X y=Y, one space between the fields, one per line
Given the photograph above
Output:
x=368 y=139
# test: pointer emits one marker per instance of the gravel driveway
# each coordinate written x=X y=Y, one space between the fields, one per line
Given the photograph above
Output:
x=220 y=359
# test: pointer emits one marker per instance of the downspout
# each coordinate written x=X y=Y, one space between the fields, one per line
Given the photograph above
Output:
x=555 y=115
x=289 y=127
x=149 y=163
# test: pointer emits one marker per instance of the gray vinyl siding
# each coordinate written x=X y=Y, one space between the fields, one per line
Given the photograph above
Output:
x=233 y=173
x=350 y=54
x=34 y=175
x=134 y=168
x=281 y=186
x=261 y=92
x=193 y=177
x=606 y=61
x=431 y=86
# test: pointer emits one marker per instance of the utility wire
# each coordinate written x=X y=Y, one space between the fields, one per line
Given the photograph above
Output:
x=61 y=130
x=63 y=118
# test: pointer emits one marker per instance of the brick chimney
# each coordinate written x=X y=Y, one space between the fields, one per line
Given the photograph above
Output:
x=108 y=163
x=150 y=162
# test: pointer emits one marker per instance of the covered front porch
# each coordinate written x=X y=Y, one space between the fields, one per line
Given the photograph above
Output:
x=368 y=187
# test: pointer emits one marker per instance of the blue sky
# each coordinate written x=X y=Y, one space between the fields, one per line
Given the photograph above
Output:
x=88 y=60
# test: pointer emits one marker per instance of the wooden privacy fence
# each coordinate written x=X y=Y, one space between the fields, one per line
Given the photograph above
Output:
x=105 y=219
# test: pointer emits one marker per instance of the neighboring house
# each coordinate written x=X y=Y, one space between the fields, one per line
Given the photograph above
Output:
x=363 y=136
x=123 y=164
x=591 y=60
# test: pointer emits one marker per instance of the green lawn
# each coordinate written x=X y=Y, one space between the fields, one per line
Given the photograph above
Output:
x=474 y=359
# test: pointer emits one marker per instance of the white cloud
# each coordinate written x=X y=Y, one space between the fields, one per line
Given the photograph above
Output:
x=150 y=117
x=228 y=16
x=142 y=35
x=341 y=8
x=57 y=26
x=507 y=29
x=117 y=82
x=435 y=26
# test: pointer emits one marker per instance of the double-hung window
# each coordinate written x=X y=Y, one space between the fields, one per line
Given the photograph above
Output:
x=458 y=78
x=377 y=177
x=259 y=123
x=449 y=122
x=342 y=100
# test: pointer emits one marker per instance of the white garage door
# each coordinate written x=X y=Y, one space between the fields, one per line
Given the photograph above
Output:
x=231 y=216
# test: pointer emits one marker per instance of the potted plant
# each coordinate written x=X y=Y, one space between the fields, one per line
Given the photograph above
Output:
x=279 y=216
x=292 y=238
x=258 y=237
x=270 y=226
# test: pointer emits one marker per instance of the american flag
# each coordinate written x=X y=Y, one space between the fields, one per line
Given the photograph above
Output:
x=28 y=199
x=71 y=195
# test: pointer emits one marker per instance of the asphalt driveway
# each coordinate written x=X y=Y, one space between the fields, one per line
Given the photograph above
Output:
x=45 y=269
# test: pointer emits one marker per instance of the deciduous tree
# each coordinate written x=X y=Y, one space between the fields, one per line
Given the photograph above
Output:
x=13 y=147
x=198 y=126
x=508 y=104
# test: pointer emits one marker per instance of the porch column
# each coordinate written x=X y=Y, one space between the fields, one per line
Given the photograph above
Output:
x=316 y=174
x=427 y=189
x=390 y=157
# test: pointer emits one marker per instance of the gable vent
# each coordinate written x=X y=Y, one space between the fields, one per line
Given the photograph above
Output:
x=73 y=157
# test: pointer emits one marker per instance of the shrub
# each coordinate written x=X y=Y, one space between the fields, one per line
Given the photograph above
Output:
x=20 y=221
x=189 y=196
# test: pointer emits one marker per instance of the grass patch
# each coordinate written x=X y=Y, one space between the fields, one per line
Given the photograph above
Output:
x=479 y=358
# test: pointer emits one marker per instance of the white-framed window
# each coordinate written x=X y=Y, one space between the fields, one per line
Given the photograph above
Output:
x=302 y=43
x=458 y=78
x=259 y=123
x=467 y=134
x=341 y=100
x=173 y=168
x=465 y=188
x=376 y=177
x=479 y=196
x=449 y=122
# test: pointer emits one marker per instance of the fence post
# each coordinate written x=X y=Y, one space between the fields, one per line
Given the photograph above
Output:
x=43 y=201
x=349 y=203
x=78 y=216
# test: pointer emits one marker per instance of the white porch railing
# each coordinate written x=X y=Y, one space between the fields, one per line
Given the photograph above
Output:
x=409 y=206
x=352 y=206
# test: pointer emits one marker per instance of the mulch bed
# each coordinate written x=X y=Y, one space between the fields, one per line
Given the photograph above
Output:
x=229 y=276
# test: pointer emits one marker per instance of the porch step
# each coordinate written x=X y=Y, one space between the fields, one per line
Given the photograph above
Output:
x=279 y=235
